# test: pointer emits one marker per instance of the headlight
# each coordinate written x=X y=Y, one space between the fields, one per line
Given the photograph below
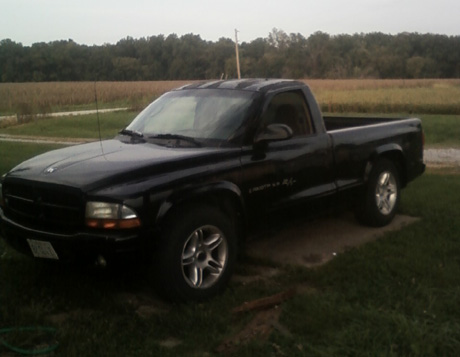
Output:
x=110 y=216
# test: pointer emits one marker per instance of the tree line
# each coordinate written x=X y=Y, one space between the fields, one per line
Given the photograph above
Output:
x=372 y=55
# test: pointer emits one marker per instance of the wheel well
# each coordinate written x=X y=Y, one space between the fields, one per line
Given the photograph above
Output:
x=397 y=158
x=226 y=202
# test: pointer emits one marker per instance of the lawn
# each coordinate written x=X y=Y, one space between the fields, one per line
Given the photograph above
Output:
x=82 y=126
x=395 y=296
x=441 y=130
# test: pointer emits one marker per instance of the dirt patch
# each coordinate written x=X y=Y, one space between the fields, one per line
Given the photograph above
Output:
x=316 y=242
x=255 y=273
x=63 y=317
x=259 y=328
x=170 y=343
x=443 y=169
x=144 y=304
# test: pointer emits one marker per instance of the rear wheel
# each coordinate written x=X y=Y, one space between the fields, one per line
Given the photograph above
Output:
x=380 y=199
x=197 y=254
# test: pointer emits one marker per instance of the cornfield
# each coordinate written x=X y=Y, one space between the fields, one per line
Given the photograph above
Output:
x=45 y=97
x=430 y=96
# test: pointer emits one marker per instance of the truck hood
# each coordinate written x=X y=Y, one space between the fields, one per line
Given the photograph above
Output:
x=98 y=164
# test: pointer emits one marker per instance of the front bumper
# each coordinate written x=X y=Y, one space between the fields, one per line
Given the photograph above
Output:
x=87 y=245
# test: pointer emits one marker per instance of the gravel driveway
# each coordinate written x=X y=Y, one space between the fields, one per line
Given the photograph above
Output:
x=445 y=157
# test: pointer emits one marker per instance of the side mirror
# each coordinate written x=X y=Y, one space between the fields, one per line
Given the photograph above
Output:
x=274 y=132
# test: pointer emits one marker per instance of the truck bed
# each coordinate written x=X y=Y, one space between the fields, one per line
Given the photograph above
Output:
x=355 y=139
x=338 y=122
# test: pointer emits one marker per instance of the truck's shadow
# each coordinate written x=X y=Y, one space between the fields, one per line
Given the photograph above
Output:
x=302 y=237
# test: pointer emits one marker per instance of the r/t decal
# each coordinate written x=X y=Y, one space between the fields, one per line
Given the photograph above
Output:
x=287 y=182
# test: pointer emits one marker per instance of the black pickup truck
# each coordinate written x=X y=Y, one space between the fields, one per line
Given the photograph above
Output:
x=182 y=181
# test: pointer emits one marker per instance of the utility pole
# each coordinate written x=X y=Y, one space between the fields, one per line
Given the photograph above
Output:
x=237 y=55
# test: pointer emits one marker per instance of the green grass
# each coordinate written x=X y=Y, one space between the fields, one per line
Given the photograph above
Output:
x=441 y=130
x=82 y=126
x=397 y=296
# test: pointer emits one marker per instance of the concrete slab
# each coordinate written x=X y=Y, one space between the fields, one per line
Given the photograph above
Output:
x=316 y=242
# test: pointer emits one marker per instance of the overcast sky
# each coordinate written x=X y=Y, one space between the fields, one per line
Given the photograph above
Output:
x=107 y=21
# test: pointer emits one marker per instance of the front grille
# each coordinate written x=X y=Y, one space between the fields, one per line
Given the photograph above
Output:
x=40 y=206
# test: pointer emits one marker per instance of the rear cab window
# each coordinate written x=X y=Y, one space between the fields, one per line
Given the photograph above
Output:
x=289 y=108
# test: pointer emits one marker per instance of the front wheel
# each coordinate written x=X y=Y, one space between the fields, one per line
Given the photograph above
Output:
x=380 y=199
x=197 y=254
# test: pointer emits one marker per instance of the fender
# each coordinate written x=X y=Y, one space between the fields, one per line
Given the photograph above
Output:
x=393 y=151
x=209 y=190
x=379 y=150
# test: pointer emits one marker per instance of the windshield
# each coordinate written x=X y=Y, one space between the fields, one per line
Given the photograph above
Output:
x=205 y=115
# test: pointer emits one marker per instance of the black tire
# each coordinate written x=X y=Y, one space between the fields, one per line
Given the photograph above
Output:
x=197 y=254
x=380 y=198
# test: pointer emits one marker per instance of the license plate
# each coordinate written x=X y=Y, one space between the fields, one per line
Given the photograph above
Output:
x=41 y=249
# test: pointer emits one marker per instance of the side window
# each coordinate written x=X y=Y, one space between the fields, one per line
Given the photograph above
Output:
x=289 y=108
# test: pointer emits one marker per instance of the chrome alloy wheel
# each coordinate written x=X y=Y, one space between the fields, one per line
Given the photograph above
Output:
x=386 y=193
x=204 y=257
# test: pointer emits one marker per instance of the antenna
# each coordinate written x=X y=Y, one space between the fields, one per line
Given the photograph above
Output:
x=237 y=54
x=97 y=115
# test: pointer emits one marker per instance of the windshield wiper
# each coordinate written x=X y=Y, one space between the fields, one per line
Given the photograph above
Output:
x=133 y=133
x=177 y=137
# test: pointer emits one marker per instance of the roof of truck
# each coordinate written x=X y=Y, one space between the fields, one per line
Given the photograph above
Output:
x=255 y=85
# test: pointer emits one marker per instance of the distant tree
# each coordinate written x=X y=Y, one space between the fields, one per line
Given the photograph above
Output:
x=11 y=57
x=278 y=39
x=415 y=66
x=319 y=56
x=217 y=55
x=296 y=57
x=373 y=55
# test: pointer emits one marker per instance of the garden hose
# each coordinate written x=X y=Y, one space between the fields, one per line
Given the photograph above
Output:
x=26 y=352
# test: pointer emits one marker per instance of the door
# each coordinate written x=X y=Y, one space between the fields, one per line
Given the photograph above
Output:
x=278 y=173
